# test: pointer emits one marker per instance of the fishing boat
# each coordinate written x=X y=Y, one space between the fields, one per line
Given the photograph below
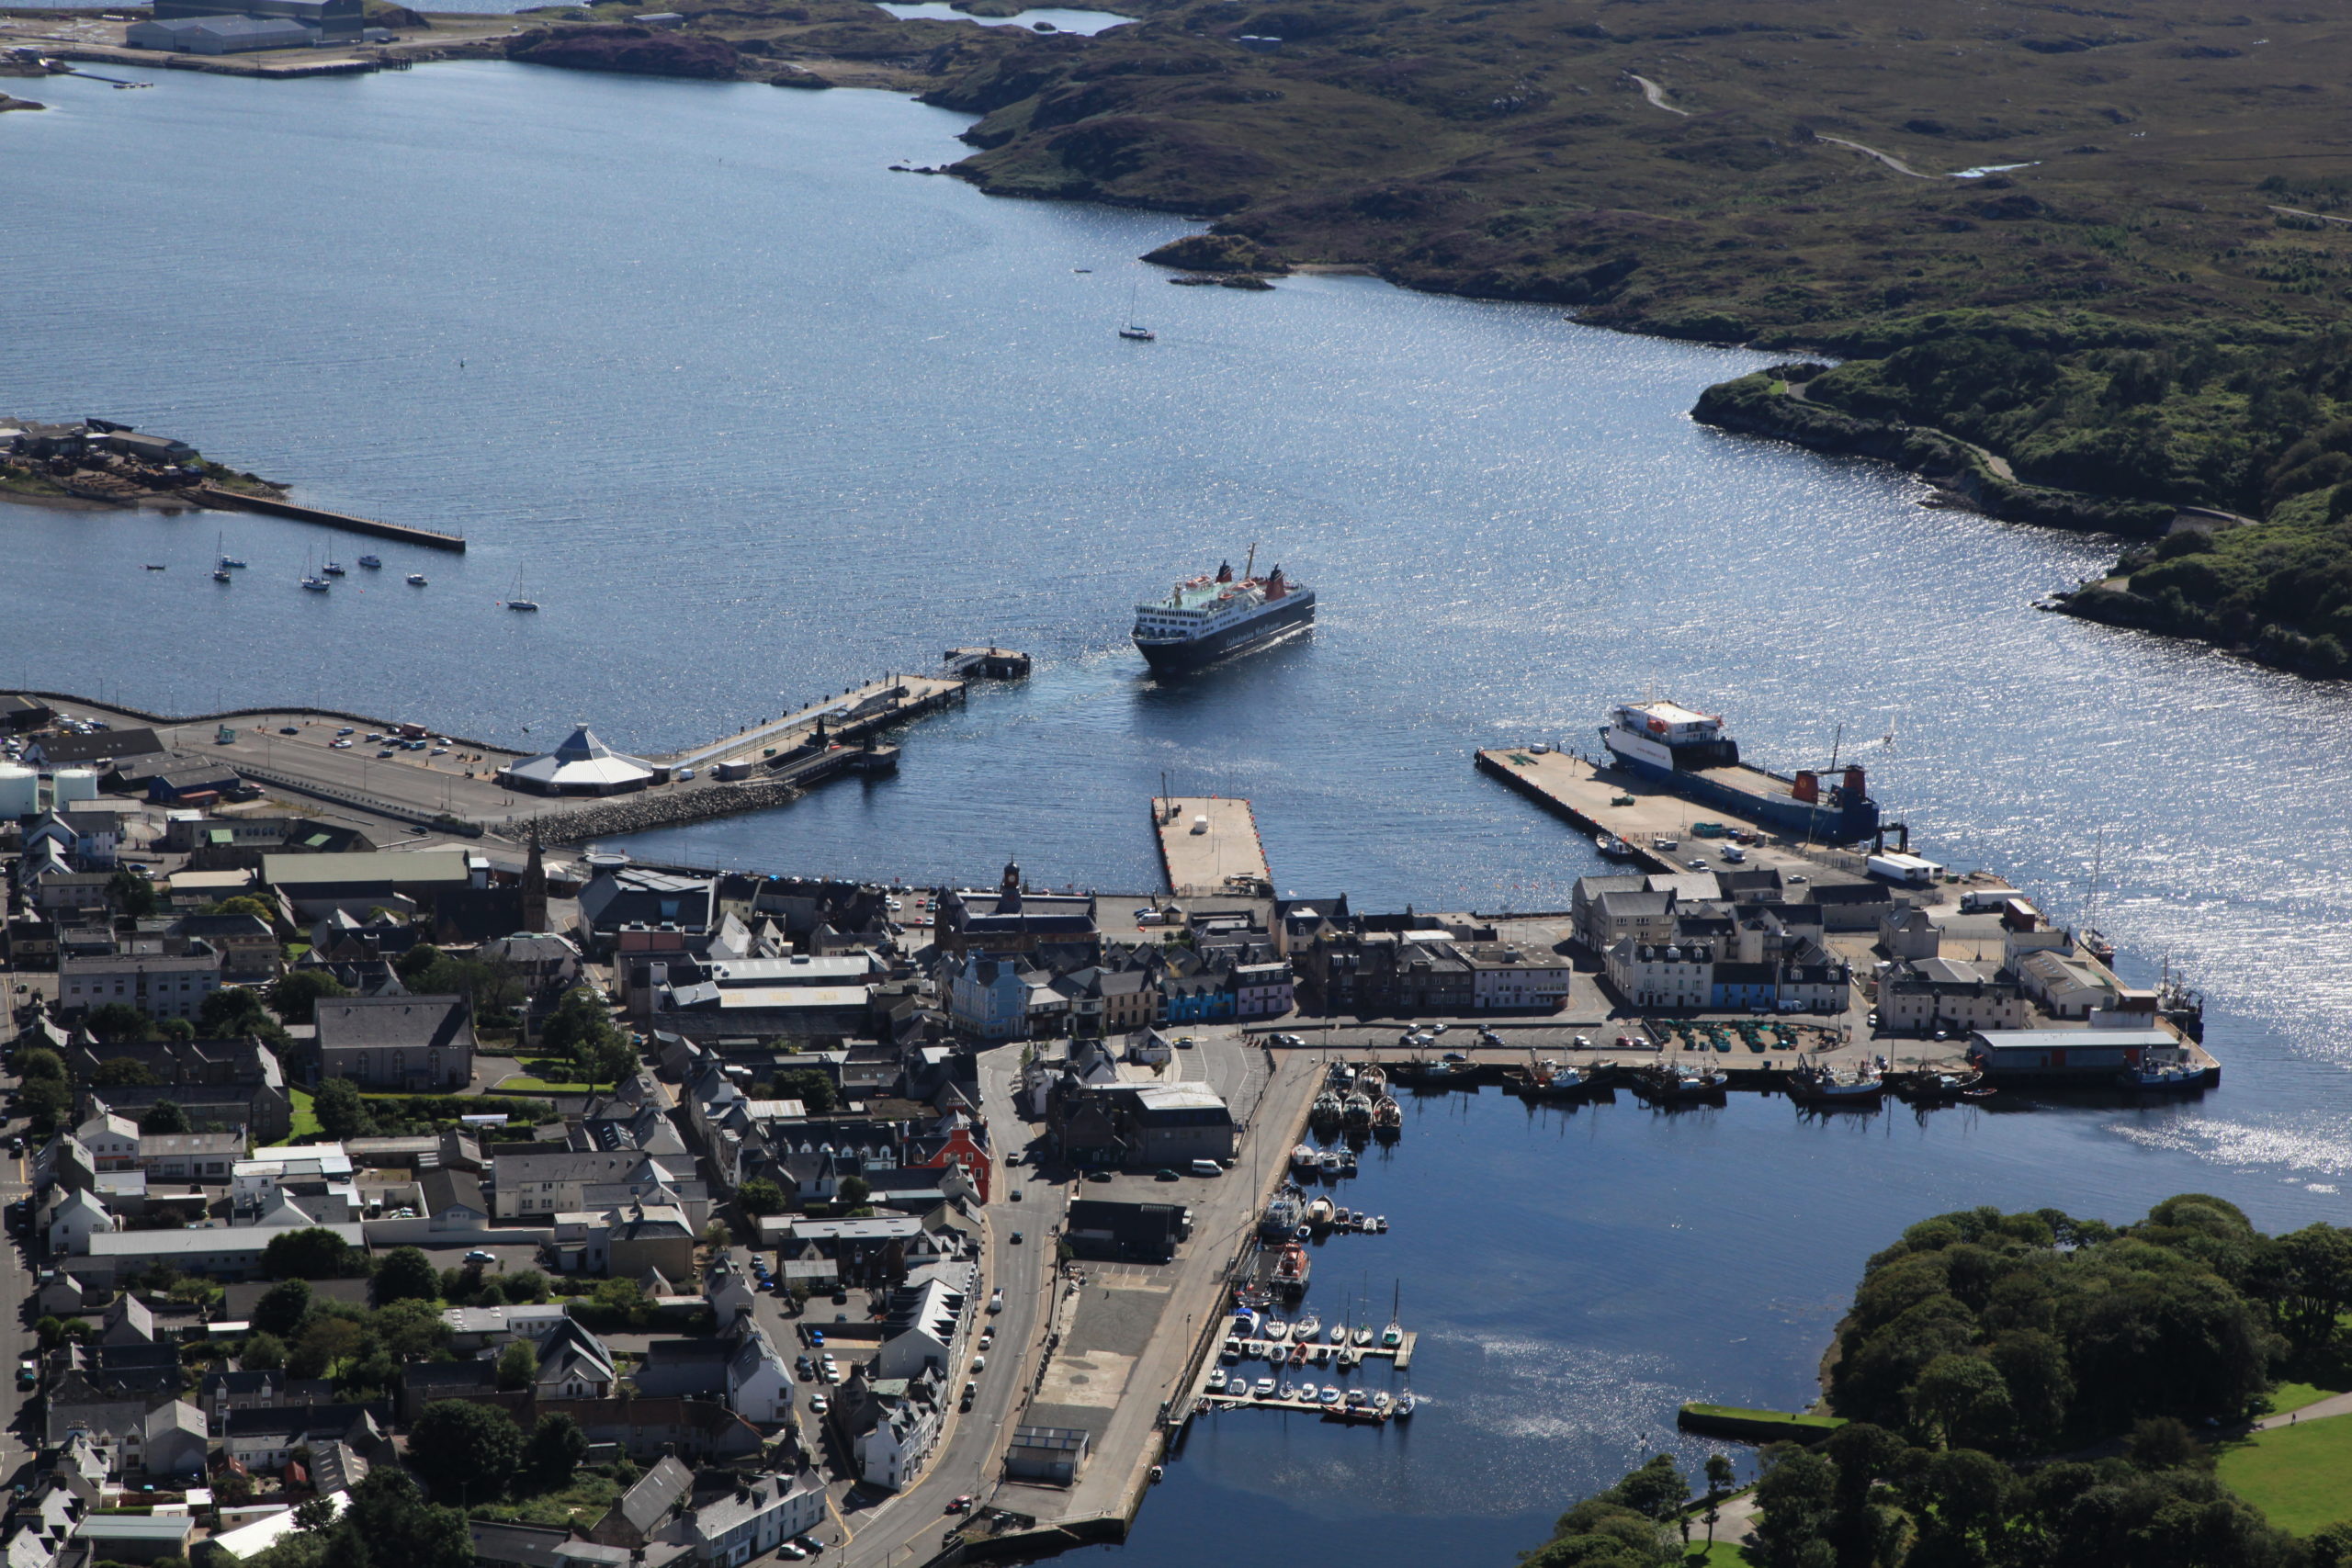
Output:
x=1327 y=1109
x=1319 y=1213
x=1613 y=848
x=1356 y=1110
x=2160 y=1077
x=1347 y=1162
x=1372 y=1081
x=416 y=579
x=1304 y=1157
x=1283 y=1214
x=373 y=563
x=227 y=562
x=220 y=574
x=1818 y=1085
x=1387 y=1118
x=1550 y=1080
x=1663 y=1085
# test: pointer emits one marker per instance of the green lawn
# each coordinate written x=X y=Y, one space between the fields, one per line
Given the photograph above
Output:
x=1723 y=1554
x=306 y=1125
x=2286 y=1396
x=2299 y=1476
x=545 y=1074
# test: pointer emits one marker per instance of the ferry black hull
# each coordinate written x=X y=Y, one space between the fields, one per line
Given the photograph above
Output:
x=1174 y=658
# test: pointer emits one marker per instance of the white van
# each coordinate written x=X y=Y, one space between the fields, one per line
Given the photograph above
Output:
x=1208 y=1168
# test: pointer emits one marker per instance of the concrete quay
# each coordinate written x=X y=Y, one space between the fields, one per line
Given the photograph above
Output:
x=1209 y=845
x=214 y=496
x=777 y=743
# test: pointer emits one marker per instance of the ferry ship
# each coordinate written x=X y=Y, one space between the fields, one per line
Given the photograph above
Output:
x=1210 y=617
x=1689 y=753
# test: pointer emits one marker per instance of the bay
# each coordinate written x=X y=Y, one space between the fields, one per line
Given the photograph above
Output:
x=755 y=418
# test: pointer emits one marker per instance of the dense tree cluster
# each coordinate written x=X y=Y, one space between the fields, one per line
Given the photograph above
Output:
x=2013 y=1333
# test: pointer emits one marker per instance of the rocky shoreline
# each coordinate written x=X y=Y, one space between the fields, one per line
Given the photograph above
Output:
x=1770 y=403
x=638 y=814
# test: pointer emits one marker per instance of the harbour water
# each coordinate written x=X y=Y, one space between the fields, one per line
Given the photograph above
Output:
x=753 y=418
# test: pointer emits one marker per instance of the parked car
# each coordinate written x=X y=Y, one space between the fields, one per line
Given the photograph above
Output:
x=1016 y=1238
x=819 y=1404
x=480 y=1255
x=996 y=1299
x=289 y=730
x=979 y=1365
x=1098 y=1176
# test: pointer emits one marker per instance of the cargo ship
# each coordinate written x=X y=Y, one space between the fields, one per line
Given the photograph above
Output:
x=1209 y=618
x=1688 y=752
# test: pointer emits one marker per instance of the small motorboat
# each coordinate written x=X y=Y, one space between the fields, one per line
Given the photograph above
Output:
x=1309 y=1392
x=1406 y=1404
x=1304 y=1156
x=1232 y=1350
x=1298 y=1355
x=416 y=579
x=1343 y=1219
x=1262 y=1388
x=220 y=574
x=1328 y=1396
x=1332 y=1162
x=1307 y=1327
x=1289 y=1391
x=154 y=566
x=1216 y=1384
x=373 y=563
x=1384 y=1402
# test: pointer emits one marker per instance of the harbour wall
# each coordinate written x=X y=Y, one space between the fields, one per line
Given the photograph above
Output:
x=400 y=533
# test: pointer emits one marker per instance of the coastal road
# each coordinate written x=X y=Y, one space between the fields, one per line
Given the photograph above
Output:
x=911 y=1525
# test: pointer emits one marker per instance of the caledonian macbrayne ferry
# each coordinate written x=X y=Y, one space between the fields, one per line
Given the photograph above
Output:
x=1210 y=617
x=1689 y=753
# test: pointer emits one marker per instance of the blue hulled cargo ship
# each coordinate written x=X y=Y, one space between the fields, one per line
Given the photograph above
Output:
x=1689 y=753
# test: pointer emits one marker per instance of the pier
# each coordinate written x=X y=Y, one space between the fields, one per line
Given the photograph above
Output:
x=787 y=746
x=1209 y=846
x=401 y=533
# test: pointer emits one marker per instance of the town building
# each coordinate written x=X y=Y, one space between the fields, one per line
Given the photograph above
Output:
x=403 y=1043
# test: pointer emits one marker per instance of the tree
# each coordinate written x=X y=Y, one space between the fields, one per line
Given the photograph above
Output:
x=262 y=1352
x=40 y=1064
x=296 y=993
x=342 y=1112
x=1657 y=1489
x=389 y=1523
x=1796 y=1497
x=464 y=1451
x=760 y=1196
x=1960 y=1400
x=553 y=1453
x=326 y=1343
x=411 y=1330
x=311 y=1253
x=282 y=1309
x=2163 y=1442
x=518 y=1365
x=852 y=1192
x=46 y=1102
x=314 y=1514
x=179 y=1030
x=416 y=961
x=406 y=1274
x=809 y=1085
x=231 y=1011
x=1720 y=1476
x=120 y=1021
x=120 y=1072
x=163 y=1116
x=132 y=894
x=582 y=1029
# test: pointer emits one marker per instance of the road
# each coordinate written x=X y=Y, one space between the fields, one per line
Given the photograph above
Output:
x=18 y=1442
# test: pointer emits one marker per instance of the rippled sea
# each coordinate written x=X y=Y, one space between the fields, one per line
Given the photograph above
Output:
x=754 y=418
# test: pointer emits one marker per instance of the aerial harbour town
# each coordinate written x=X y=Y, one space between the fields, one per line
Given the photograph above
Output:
x=1545 y=784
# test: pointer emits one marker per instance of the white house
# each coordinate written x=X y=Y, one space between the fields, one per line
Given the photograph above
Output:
x=753 y=1520
x=1663 y=975
x=759 y=1384
x=113 y=1142
x=1506 y=977
x=73 y=1221
x=891 y=1451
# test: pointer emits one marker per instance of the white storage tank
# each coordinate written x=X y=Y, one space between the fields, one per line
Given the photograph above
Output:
x=70 y=784
x=20 y=791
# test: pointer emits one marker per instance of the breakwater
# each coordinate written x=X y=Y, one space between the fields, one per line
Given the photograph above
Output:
x=401 y=533
x=638 y=813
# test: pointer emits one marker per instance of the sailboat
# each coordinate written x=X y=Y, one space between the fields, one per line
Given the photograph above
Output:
x=1394 y=1335
x=1132 y=332
x=311 y=580
x=2095 y=942
x=331 y=566
x=227 y=560
x=518 y=602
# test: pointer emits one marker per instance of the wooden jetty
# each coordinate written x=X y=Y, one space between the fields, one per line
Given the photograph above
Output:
x=1209 y=845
